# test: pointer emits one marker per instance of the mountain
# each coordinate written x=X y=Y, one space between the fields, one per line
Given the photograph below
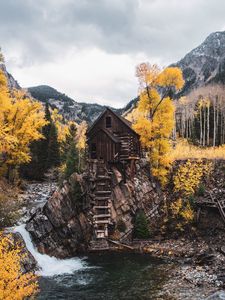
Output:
x=205 y=64
x=202 y=66
x=69 y=108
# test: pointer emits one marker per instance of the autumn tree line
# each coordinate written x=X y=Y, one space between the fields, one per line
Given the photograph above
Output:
x=200 y=116
x=35 y=138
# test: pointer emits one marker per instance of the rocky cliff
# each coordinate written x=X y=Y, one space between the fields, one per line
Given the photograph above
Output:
x=205 y=64
x=13 y=84
x=63 y=226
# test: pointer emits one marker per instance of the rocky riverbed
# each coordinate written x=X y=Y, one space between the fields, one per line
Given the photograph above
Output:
x=197 y=261
x=34 y=196
x=194 y=261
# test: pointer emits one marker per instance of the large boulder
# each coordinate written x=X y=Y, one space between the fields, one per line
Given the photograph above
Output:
x=61 y=227
x=28 y=262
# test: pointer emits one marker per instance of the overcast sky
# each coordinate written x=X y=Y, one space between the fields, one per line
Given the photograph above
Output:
x=88 y=49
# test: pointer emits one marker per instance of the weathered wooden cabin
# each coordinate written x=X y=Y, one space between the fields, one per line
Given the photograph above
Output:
x=112 y=139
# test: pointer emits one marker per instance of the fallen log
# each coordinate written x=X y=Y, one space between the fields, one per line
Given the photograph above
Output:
x=120 y=244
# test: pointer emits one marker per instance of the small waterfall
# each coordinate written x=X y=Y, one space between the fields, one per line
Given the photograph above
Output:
x=50 y=266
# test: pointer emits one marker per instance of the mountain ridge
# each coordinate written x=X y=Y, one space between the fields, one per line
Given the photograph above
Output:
x=205 y=64
x=202 y=66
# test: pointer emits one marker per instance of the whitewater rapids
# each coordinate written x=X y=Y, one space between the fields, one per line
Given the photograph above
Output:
x=48 y=265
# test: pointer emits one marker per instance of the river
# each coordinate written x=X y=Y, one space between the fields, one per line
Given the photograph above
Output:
x=98 y=276
x=110 y=276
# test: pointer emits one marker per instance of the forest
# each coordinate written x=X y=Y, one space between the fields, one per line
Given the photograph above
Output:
x=36 y=143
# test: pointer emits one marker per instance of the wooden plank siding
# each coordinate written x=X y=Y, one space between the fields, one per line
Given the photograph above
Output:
x=111 y=138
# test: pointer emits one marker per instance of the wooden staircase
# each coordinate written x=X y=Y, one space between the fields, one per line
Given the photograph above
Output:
x=101 y=212
x=127 y=146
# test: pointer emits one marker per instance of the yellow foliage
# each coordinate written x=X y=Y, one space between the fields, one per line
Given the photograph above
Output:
x=133 y=115
x=144 y=105
x=189 y=175
x=62 y=129
x=81 y=135
x=20 y=122
x=155 y=120
x=187 y=213
x=176 y=207
x=13 y=284
x=182 y=213
x=184 y=150
x=171 y=77
x=144 y=128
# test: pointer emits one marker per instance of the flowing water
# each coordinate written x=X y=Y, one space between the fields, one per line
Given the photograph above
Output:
x=98 y=276
x=49 y=266
x=109 y=276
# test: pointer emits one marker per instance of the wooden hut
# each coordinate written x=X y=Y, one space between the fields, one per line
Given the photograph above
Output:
x=112 y=139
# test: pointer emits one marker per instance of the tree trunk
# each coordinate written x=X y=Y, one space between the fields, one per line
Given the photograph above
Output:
x=200 y=121
x=204 y=118
x=214 y=123
x=208 y=108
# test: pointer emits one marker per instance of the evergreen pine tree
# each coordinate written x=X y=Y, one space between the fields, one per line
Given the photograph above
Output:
x=53 y=158
x=141 y=230
x=45 y=152
x=71 y=153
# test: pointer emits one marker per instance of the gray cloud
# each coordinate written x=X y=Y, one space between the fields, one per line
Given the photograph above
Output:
x=156 y=27
x=41 y=31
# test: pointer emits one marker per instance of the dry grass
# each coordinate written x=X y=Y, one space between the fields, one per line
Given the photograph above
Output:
x=184 y=150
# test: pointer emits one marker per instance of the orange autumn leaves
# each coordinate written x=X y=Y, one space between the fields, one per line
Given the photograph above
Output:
x=154 y=116
x=20 y=122
x=13 y=284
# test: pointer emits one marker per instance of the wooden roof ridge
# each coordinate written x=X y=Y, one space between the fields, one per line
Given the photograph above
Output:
x=110 y=135
x=125 y=121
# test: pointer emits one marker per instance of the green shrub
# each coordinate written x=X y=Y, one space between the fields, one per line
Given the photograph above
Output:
x=201 y=190
x=192 y=201
x=141 y=230
x=76 y=194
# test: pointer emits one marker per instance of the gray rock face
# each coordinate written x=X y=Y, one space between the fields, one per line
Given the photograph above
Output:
x=63 y=227
x=60 y=228
x=217 y=296
x=13 y=84
x=138 y=192
x=204 y=64
x=28 y=263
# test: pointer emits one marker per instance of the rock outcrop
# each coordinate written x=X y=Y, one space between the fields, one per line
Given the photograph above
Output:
x=63 y=227
x=60 y=228
x=136 y=193
x=204 y=64
x=28 y=262
x=13 y=84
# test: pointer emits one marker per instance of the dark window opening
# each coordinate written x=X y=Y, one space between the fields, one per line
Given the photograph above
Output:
x=108 y=122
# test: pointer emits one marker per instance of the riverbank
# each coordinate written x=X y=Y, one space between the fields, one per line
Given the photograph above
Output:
x=199 y=258
x=193 y=263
